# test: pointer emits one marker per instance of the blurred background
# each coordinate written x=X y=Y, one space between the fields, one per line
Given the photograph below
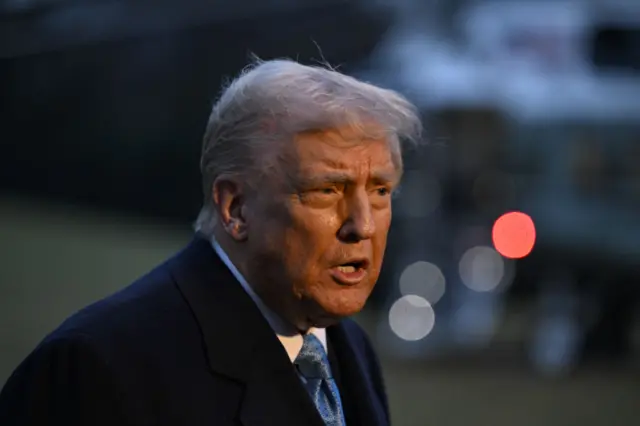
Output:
x=482 y=315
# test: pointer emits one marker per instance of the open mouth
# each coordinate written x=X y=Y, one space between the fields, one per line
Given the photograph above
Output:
x=351 y=267
x=350 y=273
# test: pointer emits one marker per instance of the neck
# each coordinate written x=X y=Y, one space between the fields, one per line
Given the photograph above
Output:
x=264 y=299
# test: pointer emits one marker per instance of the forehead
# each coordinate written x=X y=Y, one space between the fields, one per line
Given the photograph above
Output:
x=346 y=150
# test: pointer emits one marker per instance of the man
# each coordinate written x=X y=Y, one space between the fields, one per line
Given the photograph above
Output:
x=246 y=325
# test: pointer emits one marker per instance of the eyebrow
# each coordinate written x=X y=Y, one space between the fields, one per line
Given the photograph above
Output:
x=379 y=178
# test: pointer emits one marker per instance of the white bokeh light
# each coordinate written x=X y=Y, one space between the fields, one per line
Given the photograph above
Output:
x=411 y=317
x=423 y=279
x=481 y=268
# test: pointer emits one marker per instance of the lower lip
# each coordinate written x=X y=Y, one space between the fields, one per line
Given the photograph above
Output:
x=348 y=278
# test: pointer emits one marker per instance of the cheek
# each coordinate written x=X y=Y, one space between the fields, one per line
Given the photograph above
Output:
x=303 y=252
x=383 y=224
x=314 y=233
x=380 y=242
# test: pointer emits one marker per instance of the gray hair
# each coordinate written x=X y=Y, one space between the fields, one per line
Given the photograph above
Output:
x=278 y=99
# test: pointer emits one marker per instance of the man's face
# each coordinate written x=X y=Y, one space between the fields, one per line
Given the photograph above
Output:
x=317 y=231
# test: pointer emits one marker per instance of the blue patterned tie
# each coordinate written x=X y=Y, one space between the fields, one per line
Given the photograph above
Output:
x=314 y=368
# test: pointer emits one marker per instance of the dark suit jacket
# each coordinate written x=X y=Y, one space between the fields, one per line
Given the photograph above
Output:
x=184 y=345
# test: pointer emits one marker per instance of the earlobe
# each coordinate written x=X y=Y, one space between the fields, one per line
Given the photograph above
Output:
x=237 y=228
x=229 y=200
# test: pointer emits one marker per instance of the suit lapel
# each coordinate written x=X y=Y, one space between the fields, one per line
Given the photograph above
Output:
x=359 y=398
x=274 y=397
x=239 y=343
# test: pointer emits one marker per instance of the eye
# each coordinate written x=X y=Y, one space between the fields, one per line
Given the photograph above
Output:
x=327 y=191
x=383 y=192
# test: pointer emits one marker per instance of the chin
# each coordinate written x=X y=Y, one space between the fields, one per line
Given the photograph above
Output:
x=330 y=304
x=337 y=309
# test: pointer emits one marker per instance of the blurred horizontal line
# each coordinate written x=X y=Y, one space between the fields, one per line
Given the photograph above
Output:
x=16 y=8
x=82 y=24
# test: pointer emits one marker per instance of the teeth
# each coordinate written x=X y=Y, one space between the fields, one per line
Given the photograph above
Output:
x=347 y=269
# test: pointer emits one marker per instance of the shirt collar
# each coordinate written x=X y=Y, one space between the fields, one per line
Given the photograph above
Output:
x=289 y=337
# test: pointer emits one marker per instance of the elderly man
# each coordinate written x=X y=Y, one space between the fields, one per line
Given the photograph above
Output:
x=247 y=325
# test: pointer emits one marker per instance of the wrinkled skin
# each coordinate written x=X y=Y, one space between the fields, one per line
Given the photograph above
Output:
x=328 y=201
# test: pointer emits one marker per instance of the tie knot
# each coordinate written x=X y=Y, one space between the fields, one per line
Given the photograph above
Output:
x=312 y=360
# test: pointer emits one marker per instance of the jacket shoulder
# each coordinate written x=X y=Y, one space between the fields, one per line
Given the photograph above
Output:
x=123 y=310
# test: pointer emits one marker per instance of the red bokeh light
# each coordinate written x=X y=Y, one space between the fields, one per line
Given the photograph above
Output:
x=514 y=235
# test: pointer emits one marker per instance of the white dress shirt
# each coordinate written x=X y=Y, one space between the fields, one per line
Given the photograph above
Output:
x=289 y=337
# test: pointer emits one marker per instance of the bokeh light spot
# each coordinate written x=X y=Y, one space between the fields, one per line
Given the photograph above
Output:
x=481 y=269
x=423 y=279
x=514 y=235
x=411 y=317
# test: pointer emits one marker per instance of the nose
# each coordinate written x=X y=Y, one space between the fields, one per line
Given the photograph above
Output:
x=359 y=224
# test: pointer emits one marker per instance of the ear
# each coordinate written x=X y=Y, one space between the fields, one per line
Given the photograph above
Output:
x=229 y=199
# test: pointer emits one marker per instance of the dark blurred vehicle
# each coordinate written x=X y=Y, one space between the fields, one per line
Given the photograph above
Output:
x=534 y=106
